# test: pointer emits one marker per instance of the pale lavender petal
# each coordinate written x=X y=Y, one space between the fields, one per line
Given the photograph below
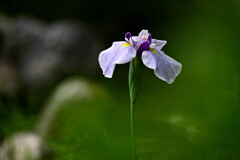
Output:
x=149 y=59
x=159 y=44
x=125 y=55
x=135 y=39
x=165 y=67
x=107 y=57
x=143 y=35
x=116 y=54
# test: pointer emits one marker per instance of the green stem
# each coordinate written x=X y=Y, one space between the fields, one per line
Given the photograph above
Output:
x=134 y=83
x=134 y=157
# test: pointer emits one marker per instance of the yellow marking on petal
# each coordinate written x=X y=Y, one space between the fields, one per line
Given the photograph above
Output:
x=153 y=50
x=126 y=44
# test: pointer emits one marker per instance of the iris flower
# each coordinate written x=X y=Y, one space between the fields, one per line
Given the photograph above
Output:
x=144 y=47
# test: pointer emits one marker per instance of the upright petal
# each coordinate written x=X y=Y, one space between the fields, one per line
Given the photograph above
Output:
x=128 y=35
x=159 y=44
x=149 y=38
x=165 y=67
x=143 y=35
x=118 y=53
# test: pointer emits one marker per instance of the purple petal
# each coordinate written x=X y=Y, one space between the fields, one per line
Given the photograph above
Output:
x=159 y=44
x=149 y=38
x=145 y=45
x=128 y=35
x=165 y=67
x=116 y=54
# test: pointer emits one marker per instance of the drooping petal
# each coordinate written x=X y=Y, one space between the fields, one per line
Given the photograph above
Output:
x=149 y=59
x=159 y=44
x=107 y=57
x=118 y=53
x=125 y=54
x=165 y=67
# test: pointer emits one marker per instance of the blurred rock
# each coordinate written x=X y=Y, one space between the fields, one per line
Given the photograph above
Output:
x=74 y=119
x=34 y=56
x=24 y=146
x=72 y=89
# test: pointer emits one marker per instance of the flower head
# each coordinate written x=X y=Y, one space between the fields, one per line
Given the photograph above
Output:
x=144 y=47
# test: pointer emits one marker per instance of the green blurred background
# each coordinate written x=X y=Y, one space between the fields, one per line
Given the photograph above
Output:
x=195 y=118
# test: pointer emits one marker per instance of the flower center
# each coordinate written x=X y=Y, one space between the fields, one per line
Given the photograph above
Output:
x=143 y=43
